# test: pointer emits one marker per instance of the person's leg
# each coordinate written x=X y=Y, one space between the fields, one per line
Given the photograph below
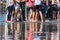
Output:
x=27 y=12
x=15 y=16
x=41 y=15
x=31 y=12
x=13 y=13
x=54 y=15
x=36 y=12
x=21 y=17
x=9 y=13
x=36 y=17
x=23 y=10
x=33 y=15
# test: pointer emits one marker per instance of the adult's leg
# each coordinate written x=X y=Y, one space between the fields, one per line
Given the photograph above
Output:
x=41 y=15
x=9 y=13
x=31 y=13
x=36 y=17
x=23 y=10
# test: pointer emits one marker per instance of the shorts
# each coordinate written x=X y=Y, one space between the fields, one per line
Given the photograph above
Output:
x=30 y=7
x=37 y=8
x=17 y=7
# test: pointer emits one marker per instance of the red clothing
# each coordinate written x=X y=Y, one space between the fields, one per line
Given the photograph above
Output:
x=31 y=3
x=30 y=36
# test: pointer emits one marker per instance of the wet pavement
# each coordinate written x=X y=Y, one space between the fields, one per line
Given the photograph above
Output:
x=48 y=30
x=30 y=31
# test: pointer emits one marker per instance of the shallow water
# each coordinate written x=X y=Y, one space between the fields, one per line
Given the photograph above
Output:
x=29 y=30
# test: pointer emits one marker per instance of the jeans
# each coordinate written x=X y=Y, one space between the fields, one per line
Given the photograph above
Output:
x=10 y=9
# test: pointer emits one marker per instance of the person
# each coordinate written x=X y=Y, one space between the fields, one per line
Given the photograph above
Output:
x=27 y=10
x=37 y=10
x=31 y=5
x=18 y=11
x=10 y=8
x=45 y=8
x=22 y=5
x=49 y=15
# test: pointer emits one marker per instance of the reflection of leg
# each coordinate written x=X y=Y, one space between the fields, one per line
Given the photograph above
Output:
x=36 y=27
x=6 y=32
x=15 y=31
x=52 y=36
x=31 y=29
x=9 y=29
x=41 y=28
x=18 y=31
x=23 y=31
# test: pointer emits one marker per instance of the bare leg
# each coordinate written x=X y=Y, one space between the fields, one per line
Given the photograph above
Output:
x=41 y=15
x=15 y=17
x=31 y=13
x=41 y=27
x=36 y=18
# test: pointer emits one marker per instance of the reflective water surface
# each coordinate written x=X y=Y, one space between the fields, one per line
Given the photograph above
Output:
x=29 y=31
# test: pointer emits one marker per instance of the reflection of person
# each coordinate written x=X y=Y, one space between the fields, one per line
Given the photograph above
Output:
x=10 y=7
x=31 y=31
x=38 y=28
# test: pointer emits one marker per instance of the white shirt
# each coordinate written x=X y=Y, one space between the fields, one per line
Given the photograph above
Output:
x=37 y=2
x=9 y=3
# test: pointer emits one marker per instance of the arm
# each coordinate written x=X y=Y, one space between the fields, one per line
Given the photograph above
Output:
x=13 y=1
